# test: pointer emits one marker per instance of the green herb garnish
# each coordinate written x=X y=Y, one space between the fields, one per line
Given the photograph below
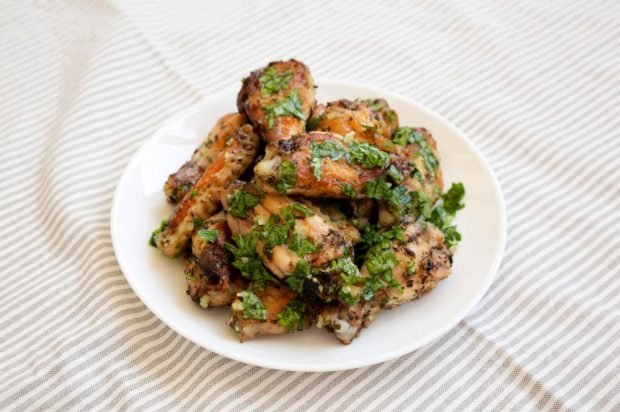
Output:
x=208 y=235
x=319 y=150
x=288 y=176
x=367 y=155
x=271 y=81
x=348 y=191
x=156 y=232
x=292 y=318
x=247 y=261
x=289 y=106
x=241 y=202
x=406 y=135
x=253 y=308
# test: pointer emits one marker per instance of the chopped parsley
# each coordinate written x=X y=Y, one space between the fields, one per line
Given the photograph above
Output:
x=289 y=106
x=378 y=189
x=406 y=135
x=452 y=198
x=208 y=235
x=442 y=215
x=279 y=230
x=247 y=261
x=313 y=123
x=422 y=203
x=194 y=193
x=301 y=245
x=253 y=308
x=288 y=176
x=348 y=191
x=301 y=273
x=368 y=156
x=241 y=202
x=156 y=232
x=271 y=81
x=292 y=318
x=374 y=104
x=319 y=150
x=394 y=174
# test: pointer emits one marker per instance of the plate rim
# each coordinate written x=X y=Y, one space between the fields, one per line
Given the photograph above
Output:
x=333 y=366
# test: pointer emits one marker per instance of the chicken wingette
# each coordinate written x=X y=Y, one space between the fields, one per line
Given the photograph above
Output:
x=211 y=279
x=204 y=198
x=278 y=99
x=181 y=182
x=415 y=168
x=371 y=120
x=346 y=322
x=320 y=164
x=273 y=310
x=290 y=237
x=402 y=264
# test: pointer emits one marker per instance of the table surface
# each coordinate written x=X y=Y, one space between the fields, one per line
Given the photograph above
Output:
x=536 y=86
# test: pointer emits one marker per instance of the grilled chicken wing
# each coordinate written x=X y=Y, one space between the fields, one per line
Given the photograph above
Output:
x=421 y=260
x=416 y=162
x=204 y=198
x=179 y=183
x=346 y=322
x=278 y=99
x=371 y=120
x=317 y=164
x=212 y=281
x=272 y=311
x=290 y=231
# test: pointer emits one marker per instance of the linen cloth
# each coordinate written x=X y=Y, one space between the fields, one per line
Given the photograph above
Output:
x=534 y=84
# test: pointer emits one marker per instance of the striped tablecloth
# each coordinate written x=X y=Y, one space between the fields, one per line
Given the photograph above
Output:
x=535 y=84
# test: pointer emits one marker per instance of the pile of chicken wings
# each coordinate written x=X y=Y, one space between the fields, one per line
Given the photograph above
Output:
x=296 y=214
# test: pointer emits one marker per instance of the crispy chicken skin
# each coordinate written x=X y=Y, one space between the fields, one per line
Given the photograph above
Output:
x=423 y=260
x=275 y=300
x=331 y=238
x=204 y=198
x=371 y=120
x=346 y=322
x=278 y=99
x=180 y=182
x=298 y=150
x=212 y=281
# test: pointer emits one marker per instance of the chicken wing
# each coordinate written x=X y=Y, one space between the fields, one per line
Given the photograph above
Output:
x=272 y=311
x=320 y=164
x=346 y=322
x=371 y=120
x=180 y=182
x=291 y=237
x=204 y=198
x=410 y=265
x=211 y=279
x=278 y=99
x=415 y=167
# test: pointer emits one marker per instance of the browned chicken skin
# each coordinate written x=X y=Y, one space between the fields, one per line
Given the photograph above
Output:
x=204 y=198
x=371 y=120
x=423 y=259
x=278 y=99
x=335 y=174
x=180 y=182
x=272 y=311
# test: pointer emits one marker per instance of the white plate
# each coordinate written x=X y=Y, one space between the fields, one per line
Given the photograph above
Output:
x=139 y=206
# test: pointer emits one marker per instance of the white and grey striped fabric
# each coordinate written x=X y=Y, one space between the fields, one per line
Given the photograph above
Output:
x=535 y=84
